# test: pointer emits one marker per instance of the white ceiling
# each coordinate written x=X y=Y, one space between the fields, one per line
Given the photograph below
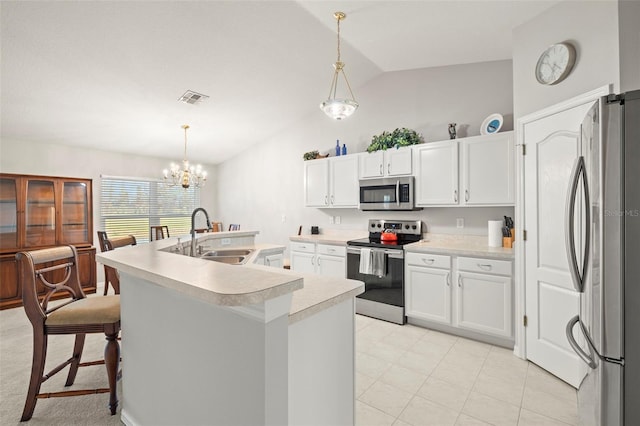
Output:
x=107 y=75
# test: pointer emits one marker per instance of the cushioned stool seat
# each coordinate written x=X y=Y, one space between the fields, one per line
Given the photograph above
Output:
x=95 y=310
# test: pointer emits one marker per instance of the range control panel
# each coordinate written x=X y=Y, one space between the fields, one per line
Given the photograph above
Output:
x=398 y=226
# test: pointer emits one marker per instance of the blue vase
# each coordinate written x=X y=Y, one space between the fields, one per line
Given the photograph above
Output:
x=337 y=148
x=344 y=149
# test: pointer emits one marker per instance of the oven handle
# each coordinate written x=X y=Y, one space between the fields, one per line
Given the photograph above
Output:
x=395 y=254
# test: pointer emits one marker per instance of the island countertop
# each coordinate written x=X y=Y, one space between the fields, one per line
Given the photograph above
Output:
x=231 y=285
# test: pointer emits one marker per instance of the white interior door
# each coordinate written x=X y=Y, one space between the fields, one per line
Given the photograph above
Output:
x=553 y=144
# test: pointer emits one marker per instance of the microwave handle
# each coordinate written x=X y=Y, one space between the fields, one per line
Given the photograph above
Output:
x=397 y=192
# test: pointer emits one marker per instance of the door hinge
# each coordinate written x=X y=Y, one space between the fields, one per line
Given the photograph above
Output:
x=524 y=149
x=524 y=235
x=525 y=321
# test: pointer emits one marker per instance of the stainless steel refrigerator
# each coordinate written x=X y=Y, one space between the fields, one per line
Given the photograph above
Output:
x=603 y=247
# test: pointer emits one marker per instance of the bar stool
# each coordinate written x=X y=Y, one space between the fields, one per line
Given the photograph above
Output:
x=79 y=315
x=111 y=274
x=158 y=232
x=102 y=238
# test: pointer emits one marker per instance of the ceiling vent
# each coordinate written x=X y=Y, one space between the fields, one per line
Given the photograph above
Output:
x=191 y=97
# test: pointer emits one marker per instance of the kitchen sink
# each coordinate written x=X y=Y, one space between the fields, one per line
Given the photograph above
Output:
x=230 y=260
x=228 y=252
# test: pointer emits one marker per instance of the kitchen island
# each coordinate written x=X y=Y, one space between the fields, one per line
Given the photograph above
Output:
x=209 y=343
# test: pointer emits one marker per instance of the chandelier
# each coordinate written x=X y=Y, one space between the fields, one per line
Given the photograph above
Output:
x=187 y=175
x=338 y=108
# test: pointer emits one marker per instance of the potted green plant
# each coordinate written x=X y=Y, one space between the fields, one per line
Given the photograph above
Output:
x=396 y=139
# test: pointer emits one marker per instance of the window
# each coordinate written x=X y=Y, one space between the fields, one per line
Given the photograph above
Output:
x=131 y=206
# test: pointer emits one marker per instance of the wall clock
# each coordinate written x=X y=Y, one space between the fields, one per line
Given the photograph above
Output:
x=555 y=63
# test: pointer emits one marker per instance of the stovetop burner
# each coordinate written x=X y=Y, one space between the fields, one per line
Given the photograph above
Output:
x=406 y=231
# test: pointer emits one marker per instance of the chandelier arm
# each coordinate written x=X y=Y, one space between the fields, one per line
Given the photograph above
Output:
x=353 y=98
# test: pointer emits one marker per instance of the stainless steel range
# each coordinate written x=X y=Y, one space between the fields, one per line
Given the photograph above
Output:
x=378 y=261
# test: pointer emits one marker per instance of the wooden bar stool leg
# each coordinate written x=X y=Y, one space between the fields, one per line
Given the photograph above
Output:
x=77 y=355
x=37 y=371
x=112 y=362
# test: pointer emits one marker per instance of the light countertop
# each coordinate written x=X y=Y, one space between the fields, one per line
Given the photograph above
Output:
x=337 y=239
x=460 y=245
x=231 y=285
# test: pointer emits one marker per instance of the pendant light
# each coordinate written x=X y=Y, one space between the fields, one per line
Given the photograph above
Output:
x=187 y=175
x=339 y=108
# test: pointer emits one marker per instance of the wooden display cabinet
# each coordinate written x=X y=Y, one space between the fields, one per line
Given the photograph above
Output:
x=40 y=212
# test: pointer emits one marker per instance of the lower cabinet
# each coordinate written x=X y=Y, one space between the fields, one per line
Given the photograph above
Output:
x=323 y=259
x=11 y=290
x=274 y=260
x=471 y=295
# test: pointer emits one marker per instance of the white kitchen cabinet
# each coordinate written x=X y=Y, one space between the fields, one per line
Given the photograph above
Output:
x=390 y=162
x=274 y=260
x=323 y=259
x=475 y=171
x=436 y=168
x=331 y=182
x=464 y=295
x=428 y=287
x=488 y=170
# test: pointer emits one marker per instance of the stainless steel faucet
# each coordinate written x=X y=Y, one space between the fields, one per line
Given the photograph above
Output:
x=193 y=228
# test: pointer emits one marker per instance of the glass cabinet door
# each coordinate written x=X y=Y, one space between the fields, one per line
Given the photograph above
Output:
x=40 y=213
x=75 y=213
x=8 y=213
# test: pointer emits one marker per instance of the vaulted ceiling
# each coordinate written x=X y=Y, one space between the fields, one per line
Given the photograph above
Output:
x=108 y=74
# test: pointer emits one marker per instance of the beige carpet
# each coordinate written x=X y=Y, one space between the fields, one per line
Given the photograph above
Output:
x=15 y=369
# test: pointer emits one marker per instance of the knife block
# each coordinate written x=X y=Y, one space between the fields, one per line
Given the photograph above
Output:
x=507 y=242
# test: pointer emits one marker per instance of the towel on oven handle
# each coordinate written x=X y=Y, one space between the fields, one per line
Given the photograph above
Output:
x=378 y=263
x=365 y=261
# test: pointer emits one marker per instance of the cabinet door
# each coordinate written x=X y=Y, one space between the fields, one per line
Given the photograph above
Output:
x=484 y=303
x=303 y=262
x=75 y=220
x=9 y=188
x=398 y=161
x=332 y=266
x=40 y=213
x=344 y=186
x=428 y=294
x=10 y=290
x=488 y=170
x=316 y=183
x=371 y=164
x=437 y=174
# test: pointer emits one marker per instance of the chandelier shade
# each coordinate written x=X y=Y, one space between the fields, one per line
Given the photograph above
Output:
x=334 y=107
x=185 y=175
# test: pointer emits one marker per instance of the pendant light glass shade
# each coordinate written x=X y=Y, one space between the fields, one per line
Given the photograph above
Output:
x=339 y=108
x=186 y=175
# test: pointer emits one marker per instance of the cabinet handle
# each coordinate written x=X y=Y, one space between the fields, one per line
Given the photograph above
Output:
x=455 y=195
x=326 y=200
x=318 y=261
x=313 y=260
x=428 y=261
x=332 y=199
x=389 y=168
x=380 y=169
x=267 y=261
x=448 y=279
x=466 y=195
x=331 y=250
x=486 y=267
x=459 y=281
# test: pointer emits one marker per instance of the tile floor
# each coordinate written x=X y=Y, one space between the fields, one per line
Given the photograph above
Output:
x=407 y=375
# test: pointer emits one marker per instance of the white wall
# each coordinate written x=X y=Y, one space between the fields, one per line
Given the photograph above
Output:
x=59 y=160
x=263 y=184
x=592 y=26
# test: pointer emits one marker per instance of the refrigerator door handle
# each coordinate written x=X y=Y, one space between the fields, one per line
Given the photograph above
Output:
x=587 y=358
x=576 y=278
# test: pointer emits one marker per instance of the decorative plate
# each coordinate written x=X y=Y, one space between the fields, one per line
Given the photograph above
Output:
x=491 y=124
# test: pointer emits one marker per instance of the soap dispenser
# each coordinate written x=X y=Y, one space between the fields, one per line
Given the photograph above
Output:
x=337 y=147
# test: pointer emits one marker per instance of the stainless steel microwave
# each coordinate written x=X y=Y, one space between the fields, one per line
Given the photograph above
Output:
x=387 y=194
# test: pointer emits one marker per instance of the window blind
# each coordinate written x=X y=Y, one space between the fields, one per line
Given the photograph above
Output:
x=131 y=206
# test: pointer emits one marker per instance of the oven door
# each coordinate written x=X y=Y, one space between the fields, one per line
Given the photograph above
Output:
x=383 y=297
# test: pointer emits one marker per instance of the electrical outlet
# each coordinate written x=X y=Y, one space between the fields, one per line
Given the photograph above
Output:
x=225 y=241
x=331 y=220
x=460 y=222
x=284 y=218
x=338 y=220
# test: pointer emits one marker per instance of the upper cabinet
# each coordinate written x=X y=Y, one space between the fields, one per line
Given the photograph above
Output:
x=331 y=182
x=392 y=162
x=38 y=212
x=475 y=171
